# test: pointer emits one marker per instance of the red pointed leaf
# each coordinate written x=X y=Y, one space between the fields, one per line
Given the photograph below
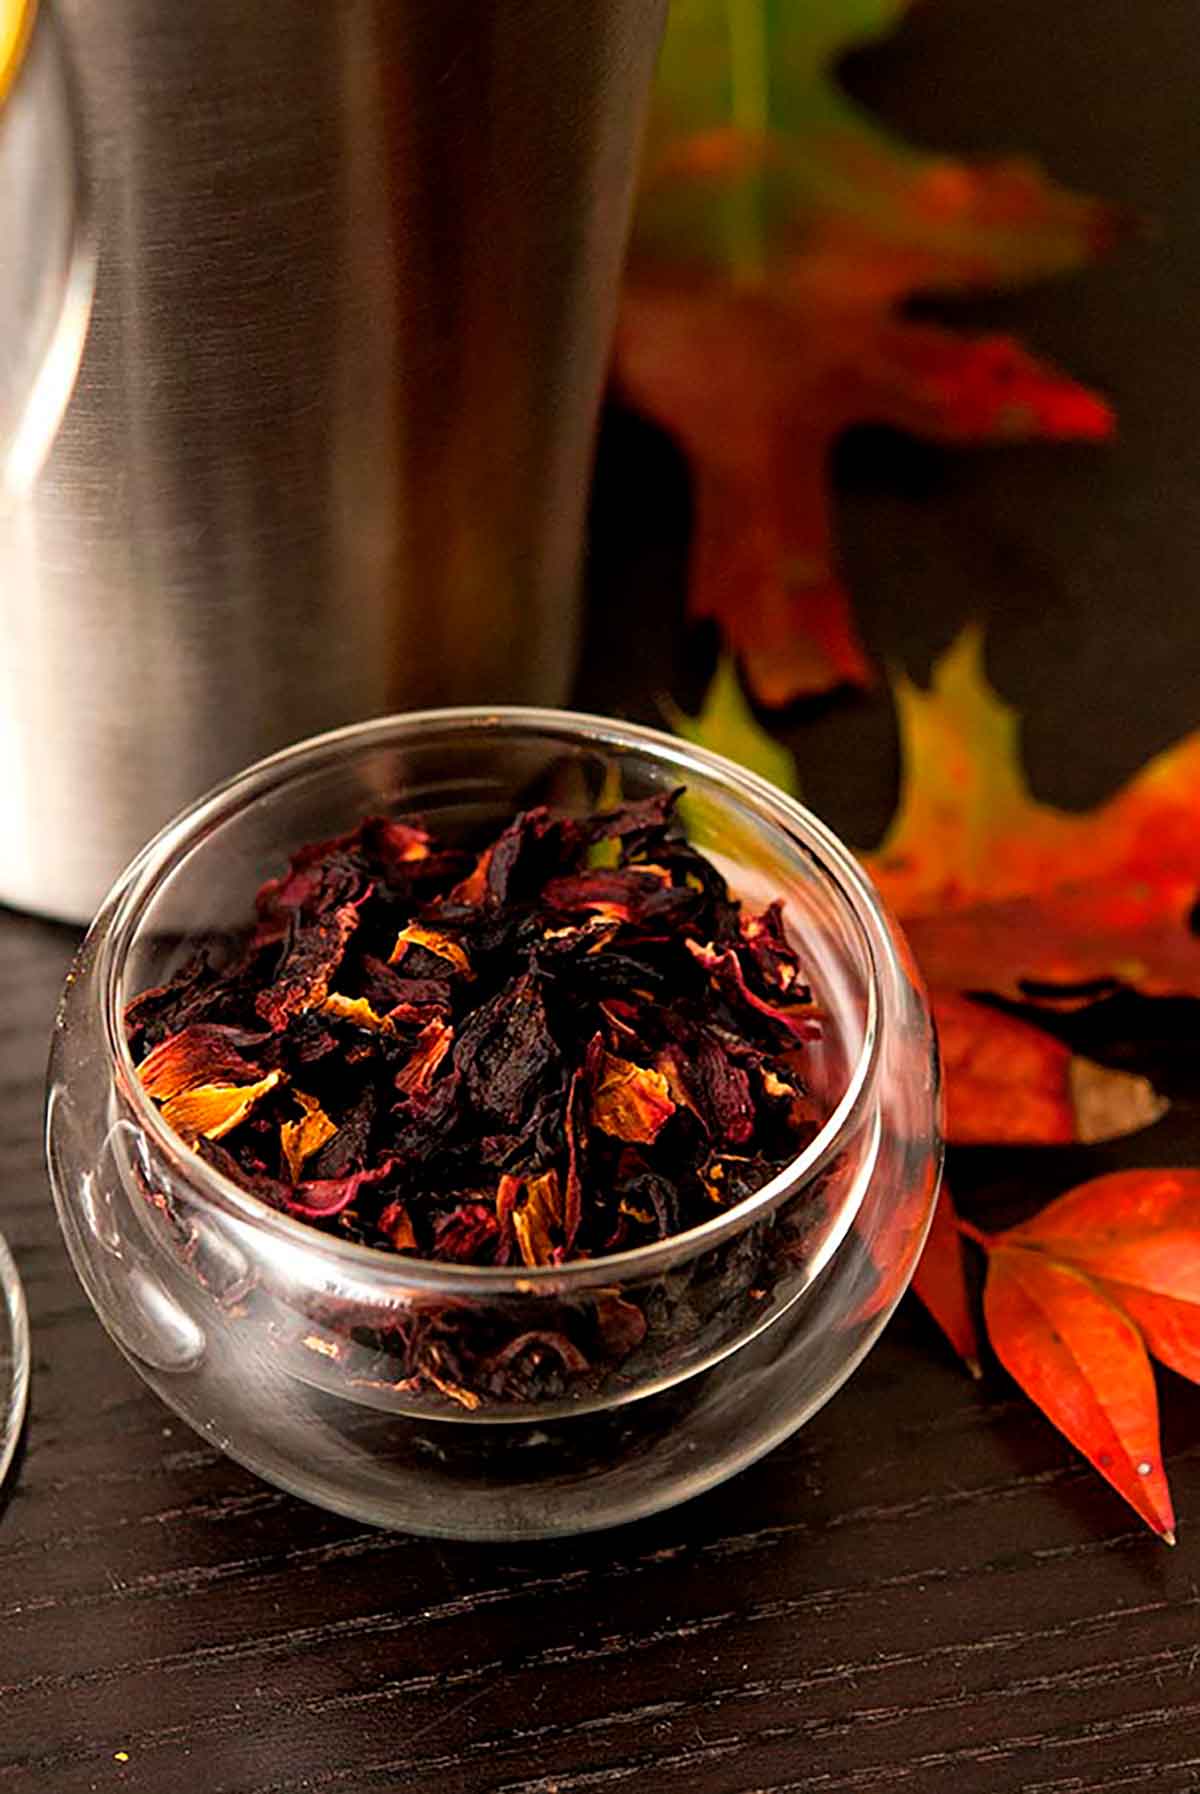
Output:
x=1170 y=1328
x=939 y=1282
x=965 y=389
x=1008 y=1083
x=1136 y=1227
x=1083 y=1362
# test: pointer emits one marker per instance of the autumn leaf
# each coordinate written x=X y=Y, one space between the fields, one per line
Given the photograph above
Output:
x=1138 y=1234
x=1000 y=892
x=1009 y=1083
x=940 y=1284
x=778 y=232
x=727 y=725
x=1076 y=1297
x=967 y=821
x=1074 y=1352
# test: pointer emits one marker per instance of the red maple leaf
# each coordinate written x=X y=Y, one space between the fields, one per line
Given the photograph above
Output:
x=777 y=233
x=999 y=892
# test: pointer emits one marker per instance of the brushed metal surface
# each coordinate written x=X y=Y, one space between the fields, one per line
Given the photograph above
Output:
x=330 y=447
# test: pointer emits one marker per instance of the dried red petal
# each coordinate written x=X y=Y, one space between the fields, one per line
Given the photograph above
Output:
x=769 y=950
x=569 y=1356
x=619 y=894
x=298 y=1140
x=629 y=1101
x=213 y=1110
x=433 y=942
x=417 y=1073
x=309 y=962
x=468 y=1235
x=538 y=1220
x=620 y=1323
x=203 y=1054
x=506 y=1052
x=329 y=1196
x=359 y=1011
x=396 y=1227
x=725 y=1093
x=799 y=1016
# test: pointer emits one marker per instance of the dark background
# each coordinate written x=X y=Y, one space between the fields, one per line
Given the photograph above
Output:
x=923 y=1590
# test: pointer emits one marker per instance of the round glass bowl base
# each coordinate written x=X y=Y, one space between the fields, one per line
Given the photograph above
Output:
x=519 y=1479
x=14 y=1360
x=365 y=1380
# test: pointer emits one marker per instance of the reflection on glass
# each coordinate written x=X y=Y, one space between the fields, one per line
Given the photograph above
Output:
x=14 y=1359
x=46 y=265
x=46 y=258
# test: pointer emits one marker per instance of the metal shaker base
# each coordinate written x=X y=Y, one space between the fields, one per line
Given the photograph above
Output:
x=330 y=449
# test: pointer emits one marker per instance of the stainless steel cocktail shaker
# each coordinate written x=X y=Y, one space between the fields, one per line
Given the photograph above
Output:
x=329 y=451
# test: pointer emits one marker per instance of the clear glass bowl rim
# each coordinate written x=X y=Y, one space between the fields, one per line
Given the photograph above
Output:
x=120 y=916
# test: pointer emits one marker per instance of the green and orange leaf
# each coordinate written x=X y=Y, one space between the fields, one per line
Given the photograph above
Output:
x=1000 y=892
x=777 y=233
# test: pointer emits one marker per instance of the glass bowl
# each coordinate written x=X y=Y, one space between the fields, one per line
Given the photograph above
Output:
x=365 y=1381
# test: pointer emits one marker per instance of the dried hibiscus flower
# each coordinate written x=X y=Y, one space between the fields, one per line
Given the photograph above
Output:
x=558 y=1043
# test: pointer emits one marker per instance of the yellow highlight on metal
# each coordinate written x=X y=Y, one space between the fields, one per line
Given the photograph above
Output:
x=16 y=22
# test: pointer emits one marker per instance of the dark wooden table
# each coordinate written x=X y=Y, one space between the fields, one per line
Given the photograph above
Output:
x=925 y=1589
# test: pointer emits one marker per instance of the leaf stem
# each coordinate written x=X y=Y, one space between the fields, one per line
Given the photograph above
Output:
x=748 y=67
x=971 y=1232
x=749 y=81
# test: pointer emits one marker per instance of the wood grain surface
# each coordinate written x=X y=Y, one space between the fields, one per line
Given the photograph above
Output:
x=925 y=1589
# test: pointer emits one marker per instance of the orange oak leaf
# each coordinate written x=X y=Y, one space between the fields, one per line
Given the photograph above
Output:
x=1000 y=892
x=1008 y=1083
x=967 y=824
x=1082 y=1360
x=940 y=1283
x=777 y=233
